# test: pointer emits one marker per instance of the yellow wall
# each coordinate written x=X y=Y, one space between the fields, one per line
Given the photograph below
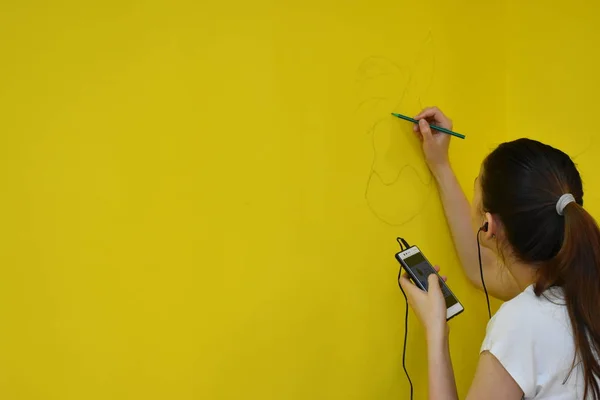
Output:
x=201 y=200
x=553 y=81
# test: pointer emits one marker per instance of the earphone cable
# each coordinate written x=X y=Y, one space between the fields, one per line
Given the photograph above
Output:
x=487 y=298
x=404 y=244
x=405 y=338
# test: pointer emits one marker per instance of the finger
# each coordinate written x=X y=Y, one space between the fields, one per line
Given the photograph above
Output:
x=410 y=288
x=405 y=282
x=436 y=116
x=437 y=268
x=429 y=112
x=425 y=130
x=434 y=284
x=416 y=131
x=444 y=278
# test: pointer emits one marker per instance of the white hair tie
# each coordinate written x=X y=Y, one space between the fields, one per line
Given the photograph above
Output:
x=563 y=201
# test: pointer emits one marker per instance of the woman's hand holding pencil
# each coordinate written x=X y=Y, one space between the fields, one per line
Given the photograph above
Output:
x=435 y=143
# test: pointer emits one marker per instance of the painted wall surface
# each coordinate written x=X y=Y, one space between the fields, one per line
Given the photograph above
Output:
x=200 y=200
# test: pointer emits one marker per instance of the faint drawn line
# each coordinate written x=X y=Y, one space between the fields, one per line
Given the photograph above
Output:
x=362 y=66
x=427 y=183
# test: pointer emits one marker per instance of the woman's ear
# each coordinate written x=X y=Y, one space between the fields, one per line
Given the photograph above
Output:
x=492 y=227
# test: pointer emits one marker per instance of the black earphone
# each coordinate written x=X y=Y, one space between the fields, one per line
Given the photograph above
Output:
x=484 y=227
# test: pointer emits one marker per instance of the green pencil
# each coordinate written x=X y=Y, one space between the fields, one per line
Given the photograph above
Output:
x=437 y=128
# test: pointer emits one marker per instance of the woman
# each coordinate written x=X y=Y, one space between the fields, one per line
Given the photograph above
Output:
x=541 y=253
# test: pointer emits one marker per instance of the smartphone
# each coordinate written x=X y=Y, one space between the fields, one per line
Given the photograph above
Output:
x=419 y=269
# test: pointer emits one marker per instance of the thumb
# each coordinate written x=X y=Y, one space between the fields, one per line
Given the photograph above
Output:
x=425 y=129
x=408 y=287
x=433 y=284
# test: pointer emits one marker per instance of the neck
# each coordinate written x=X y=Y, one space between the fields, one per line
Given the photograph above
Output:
x=524 y=274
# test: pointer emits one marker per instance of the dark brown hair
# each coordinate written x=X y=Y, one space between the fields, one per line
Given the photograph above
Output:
x=521 y=183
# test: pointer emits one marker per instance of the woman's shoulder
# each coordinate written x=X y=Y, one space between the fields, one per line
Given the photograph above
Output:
x=527 y=299
x=531 y=337
x=530 y=313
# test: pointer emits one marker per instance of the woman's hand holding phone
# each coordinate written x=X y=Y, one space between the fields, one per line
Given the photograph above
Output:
x=430 y=306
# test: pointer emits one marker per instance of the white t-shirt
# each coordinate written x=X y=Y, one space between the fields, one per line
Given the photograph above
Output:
x=532 y=338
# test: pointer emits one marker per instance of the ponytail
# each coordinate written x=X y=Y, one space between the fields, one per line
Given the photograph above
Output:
x=576 y=268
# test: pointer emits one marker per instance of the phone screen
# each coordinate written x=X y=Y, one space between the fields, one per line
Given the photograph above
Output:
x=422 y=269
